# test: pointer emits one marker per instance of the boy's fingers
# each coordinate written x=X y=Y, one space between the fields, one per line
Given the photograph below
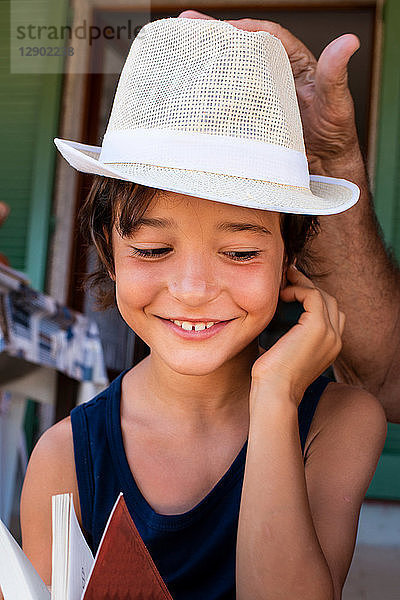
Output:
x=296 y=277
x=316 y=301
x=299 y=286
x=311 y=298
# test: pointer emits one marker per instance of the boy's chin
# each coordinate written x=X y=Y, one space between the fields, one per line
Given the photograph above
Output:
x=191 y=369
x=194 y=364
x=201 y=364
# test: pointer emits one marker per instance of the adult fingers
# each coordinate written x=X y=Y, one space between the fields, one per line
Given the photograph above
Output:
x=194 y=14
x=302 y=60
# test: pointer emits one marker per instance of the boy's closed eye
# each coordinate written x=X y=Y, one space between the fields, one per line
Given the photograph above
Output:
x=154 y=253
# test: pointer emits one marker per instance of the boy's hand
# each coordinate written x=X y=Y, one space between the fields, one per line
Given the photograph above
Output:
x=325 y=102
x=308 y=348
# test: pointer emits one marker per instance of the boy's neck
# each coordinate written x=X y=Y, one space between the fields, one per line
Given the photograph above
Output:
x=195 y=404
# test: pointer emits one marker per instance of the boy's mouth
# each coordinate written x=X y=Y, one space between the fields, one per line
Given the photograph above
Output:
x=196 y=326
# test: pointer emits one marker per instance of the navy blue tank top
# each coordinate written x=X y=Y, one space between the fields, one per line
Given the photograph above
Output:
x=195 y=552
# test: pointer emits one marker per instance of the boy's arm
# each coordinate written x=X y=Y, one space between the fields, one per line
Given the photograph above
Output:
x=51 y=470
x=298 y=525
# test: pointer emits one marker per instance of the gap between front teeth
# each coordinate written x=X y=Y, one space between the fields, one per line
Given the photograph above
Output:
x=187 y=326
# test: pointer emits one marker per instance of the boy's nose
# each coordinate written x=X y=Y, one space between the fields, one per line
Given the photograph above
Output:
x=194 y=283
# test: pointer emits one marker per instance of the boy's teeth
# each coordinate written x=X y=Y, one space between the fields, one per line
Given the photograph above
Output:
x=187 y=326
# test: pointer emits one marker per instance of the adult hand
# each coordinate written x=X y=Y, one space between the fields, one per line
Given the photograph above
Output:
x=325 y=102
x=308 y=348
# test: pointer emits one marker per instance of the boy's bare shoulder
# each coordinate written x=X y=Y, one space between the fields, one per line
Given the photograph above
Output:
x=50 y=471
x=347 y=411
x=55 y=445
x=51 y=467
x=52 y=461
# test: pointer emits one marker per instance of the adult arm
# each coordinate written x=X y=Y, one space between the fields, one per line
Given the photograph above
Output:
x=357 y=268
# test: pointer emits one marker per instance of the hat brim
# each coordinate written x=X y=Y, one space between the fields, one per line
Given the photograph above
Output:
x=327 y=195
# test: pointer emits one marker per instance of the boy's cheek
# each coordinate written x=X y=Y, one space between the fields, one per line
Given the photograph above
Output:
x=260 y=287
x=135 y=293
x=263 y=298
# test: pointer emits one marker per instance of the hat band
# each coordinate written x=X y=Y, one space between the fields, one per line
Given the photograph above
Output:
x=224 y=155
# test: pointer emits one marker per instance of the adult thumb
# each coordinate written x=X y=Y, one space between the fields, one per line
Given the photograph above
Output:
x=331 y=72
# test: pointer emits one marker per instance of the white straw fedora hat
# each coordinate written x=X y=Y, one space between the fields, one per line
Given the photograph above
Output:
x=205 y=109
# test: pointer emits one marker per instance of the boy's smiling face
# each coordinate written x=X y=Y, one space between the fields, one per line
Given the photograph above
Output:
x=197 y=260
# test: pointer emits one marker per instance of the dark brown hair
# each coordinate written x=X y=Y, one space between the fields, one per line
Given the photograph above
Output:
x=122 y=203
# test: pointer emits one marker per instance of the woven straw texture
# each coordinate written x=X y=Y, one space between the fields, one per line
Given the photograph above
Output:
x=181 y=78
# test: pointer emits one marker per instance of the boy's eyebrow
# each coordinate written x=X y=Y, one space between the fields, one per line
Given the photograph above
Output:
x=239 y=226
x=155 y=222
x=162 y=223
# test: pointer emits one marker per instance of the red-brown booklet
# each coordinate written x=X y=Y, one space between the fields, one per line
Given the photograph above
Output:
x=123 y=568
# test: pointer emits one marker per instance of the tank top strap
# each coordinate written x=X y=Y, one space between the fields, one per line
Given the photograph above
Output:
x=309 y=404
x=92 y=455
x=83 y=466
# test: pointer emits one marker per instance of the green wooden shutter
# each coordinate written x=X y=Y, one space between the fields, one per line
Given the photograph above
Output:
x=29 y=109
x=386 y=482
